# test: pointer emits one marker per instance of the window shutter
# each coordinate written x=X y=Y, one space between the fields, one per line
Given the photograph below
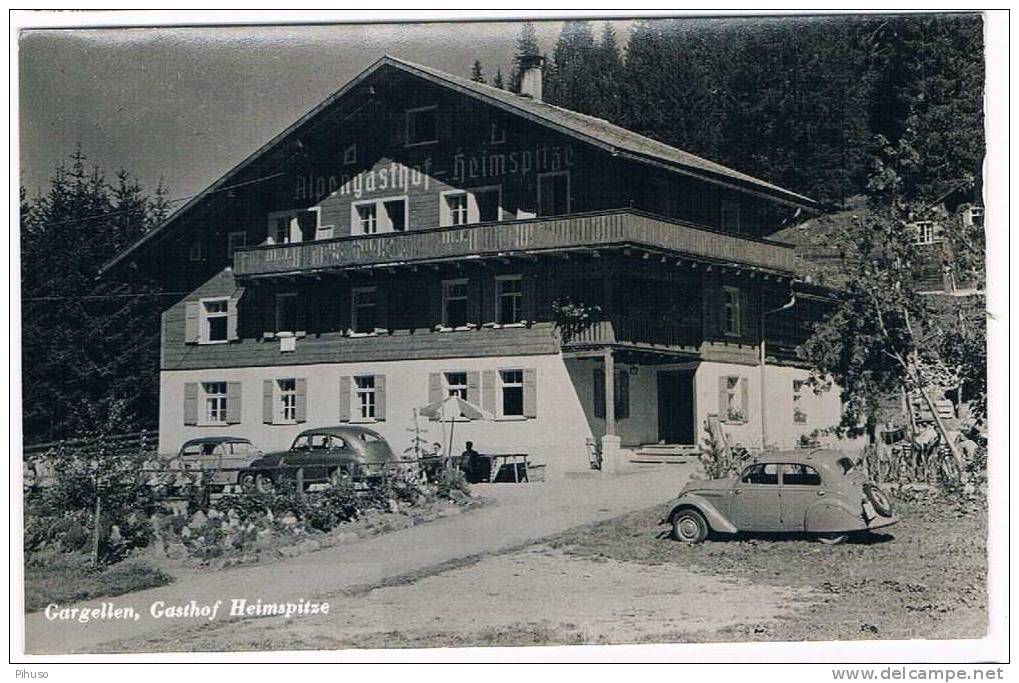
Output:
x=723 y=403
x=301 y=406
x=488 y=299
x=380 y=397
x=530 y=392
x=488 y=396
x=744 y=388
x=435 y=304
x=267 y=401
x=233 y=403
x=474 y=301
x=231 y=315
x=622 y=395
x=434 y=388
x=599 y=393
x=474 y=387
x=345 y=398
x=267 y=310
x=528 y=304
x=381 y=308
x=191 y=403
x=300 y=313
x=191 y=322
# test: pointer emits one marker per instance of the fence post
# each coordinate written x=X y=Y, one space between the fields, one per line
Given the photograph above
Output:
x=95 y=540
x=300 y=483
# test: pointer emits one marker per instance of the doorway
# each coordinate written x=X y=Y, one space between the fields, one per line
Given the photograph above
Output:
x=676 y=407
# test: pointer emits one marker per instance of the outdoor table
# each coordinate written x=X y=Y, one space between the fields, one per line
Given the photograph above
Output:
x=516 y=461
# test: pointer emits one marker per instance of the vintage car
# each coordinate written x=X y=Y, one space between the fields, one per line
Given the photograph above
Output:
x=321 y=455
x=220 y=459
x=820 y=492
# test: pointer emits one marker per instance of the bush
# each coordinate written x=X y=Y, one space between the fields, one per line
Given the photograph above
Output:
x=452 y=479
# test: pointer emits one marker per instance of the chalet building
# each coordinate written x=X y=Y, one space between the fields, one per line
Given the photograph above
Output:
x=418 y=235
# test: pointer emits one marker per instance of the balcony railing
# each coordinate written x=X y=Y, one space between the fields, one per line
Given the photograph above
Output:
x=638 y=331
x=611 y=228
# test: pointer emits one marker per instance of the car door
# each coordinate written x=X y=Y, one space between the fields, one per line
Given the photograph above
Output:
x=800 y=488
x=755 y=501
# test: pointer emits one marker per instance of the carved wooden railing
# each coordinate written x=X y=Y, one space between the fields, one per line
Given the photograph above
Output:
x=620 y=227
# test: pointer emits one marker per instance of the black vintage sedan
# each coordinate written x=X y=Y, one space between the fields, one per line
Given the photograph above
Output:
x=321 y=455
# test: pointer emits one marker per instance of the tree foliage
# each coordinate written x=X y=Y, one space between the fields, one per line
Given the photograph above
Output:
x=86 y=341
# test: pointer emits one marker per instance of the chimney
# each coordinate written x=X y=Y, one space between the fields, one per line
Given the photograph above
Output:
x=530 y=76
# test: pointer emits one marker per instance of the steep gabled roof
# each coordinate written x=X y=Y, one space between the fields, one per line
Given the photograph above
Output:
x=588 y=129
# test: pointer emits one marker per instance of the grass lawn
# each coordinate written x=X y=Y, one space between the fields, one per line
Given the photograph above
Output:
x=67 y=577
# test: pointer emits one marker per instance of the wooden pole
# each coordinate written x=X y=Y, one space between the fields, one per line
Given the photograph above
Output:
x=98 y=515
x=300 y=483
x=610 y=393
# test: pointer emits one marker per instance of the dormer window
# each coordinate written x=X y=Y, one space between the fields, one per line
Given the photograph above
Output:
x=350 y=155
x=293 y=226
x=497 y=133
x=421 y=125
x=373 y=216
x=730 y=216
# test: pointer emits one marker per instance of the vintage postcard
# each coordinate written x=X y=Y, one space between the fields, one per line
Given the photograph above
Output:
x=559 y=331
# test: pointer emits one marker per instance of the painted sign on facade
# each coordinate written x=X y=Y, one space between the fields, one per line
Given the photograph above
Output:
x=389 y=176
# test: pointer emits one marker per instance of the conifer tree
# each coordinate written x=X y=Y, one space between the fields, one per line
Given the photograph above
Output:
x=476 y=73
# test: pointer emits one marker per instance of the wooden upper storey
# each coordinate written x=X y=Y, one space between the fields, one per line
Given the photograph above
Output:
x=406 y=163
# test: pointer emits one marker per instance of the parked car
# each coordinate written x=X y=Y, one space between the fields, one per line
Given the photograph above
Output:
x=322 y=454
x=221 y=459
x=822 y=492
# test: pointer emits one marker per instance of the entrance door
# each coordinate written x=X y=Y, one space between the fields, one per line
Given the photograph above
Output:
x=676 y=406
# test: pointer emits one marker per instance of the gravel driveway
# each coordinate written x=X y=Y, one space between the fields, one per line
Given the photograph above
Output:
x=518 y=516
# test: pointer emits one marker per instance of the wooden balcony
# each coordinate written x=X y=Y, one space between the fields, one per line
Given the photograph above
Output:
x=638 y=332
x=617 y=228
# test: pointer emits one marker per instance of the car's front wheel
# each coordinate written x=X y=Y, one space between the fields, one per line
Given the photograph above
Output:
x=689 y=526
x=264 y=484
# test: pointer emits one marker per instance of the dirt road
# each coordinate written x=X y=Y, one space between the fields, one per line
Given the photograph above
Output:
x=517 y=516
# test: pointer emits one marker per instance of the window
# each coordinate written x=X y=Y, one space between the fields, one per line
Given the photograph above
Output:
x=509 y=299
x=293 y=226
x=395 y=211
x=367 y=218
x=196 y=252
x=731 y=312
x=512 y=392
x=454 y=303
x=798 y=414
x=975 y=216
x=488 y=201
x=286 y=391
x=214 y=320
x=927 y=232
x=364 y=397
x=761 y=473
x=286 y=312
x=456 y=384
x=732 y=399
x=730 y=217
x=350 y=155
x=215 y=402
x=800 y=475
x=553 y=193
x=497 y=133
x=379 y=215
x=235 y=240
x=364 y=303
x=455 y=208
x=421 y=125
x=478 y=205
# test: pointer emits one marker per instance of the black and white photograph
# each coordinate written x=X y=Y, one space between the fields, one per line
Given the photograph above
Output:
x=346 y=336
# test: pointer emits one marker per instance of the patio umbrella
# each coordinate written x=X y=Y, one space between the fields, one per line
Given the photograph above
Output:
x=452 y=409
